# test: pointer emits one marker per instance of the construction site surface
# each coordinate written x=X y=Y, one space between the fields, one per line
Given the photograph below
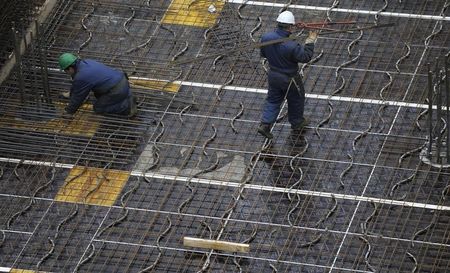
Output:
x=361 y=189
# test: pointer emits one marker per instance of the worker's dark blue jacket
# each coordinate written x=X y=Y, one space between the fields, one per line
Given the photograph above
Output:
x=284 y=57
x=110 y=87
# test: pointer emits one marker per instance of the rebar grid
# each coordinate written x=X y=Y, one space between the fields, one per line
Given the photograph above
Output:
x=349 y=194
x=17 y=15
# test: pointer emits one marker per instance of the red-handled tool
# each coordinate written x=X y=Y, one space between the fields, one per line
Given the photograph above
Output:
x=321 y=25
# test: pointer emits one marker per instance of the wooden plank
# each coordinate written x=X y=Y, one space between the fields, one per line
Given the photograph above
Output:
x=156 y=85
x=214 y=244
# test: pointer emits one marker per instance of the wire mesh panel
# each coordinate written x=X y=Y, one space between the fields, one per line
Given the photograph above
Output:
x=105 y=193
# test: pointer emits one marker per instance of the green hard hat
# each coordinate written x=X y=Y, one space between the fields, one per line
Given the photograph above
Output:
x=66 y=60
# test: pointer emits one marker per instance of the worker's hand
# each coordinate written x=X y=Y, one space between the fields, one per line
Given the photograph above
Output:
x=312 y=37
x=65 y=95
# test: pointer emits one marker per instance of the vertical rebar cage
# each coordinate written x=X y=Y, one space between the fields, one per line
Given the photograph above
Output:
x=438 y=149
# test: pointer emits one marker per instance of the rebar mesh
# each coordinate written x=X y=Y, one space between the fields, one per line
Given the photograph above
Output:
x=112 y=194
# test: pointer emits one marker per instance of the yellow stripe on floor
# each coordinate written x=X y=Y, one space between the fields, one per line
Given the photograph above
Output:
x=193 y=12
x=155 y=85
x=25 y=271
x=92 y=186
x=84 y=122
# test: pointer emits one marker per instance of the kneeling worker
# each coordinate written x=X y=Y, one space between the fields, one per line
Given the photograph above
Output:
x=283 y=77
x=111 y=88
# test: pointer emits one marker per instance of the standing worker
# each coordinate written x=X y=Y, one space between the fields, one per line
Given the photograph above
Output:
x=283 y=77
x=111 y=88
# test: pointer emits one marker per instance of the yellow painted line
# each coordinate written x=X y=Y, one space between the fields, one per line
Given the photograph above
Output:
x=182 y=12
x=84 y=122
x=13 y=270
x=92 y=186
x=155 y=85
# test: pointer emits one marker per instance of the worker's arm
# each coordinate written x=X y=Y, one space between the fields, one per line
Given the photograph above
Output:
x=262 y=50
x=304 y=54
x=262 y=53
x=78 y=93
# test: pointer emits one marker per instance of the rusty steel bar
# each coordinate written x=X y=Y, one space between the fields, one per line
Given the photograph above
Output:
x=437 y=128
x=33 y=64
x=19 y=65
x=42 y=51
x=447 y=102
x=430 y=109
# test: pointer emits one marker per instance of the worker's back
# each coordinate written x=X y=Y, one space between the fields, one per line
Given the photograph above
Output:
x=109 y=85
x=284 y=57
x=97 y=76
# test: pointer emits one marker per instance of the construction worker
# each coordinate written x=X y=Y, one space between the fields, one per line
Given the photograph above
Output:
x=111 y=88
x=283 y=77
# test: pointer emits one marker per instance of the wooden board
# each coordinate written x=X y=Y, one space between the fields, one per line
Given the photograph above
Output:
x=154 y=85
x=214 y=244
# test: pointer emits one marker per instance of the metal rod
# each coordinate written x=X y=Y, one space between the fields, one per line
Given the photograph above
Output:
x=437 y=131
x=325 y=23
x=430 y=109
x=19 y=65
x=447 y=102
x=277 y=41
x=43 y=61
x=32 y=65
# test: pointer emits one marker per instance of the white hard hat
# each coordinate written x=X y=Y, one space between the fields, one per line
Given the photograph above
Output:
x=286 y=17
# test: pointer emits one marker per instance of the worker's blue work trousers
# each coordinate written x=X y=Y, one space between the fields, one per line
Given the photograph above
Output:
x=282 y=86
x=116 y=100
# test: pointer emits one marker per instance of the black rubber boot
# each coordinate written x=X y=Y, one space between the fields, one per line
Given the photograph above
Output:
x=133 y=107
x=264 y=129
x=299 y=126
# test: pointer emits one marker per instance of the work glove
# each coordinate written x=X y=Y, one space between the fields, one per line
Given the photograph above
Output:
x=65 y=95
x=312 y=37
